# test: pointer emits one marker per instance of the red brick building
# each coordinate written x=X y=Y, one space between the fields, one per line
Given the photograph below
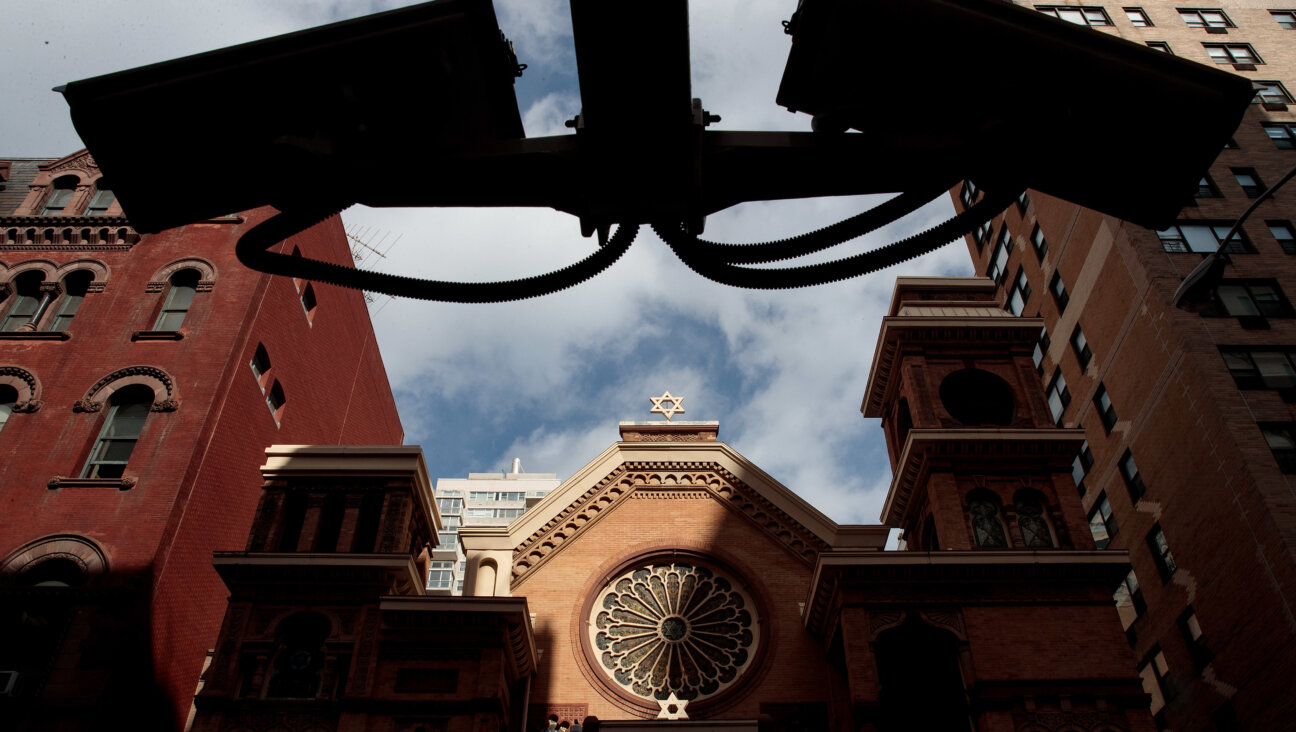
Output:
x=1189 y=417
x=670 y=578
x=141 y=378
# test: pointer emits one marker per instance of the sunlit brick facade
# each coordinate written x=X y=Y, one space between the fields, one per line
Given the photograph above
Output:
x=141 y=378
x=1189 y=418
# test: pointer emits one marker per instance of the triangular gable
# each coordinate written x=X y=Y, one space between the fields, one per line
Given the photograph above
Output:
x=671 y=471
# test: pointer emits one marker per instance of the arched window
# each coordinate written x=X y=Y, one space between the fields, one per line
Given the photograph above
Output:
x=27 y=300
x=987 y=527
x=103 y=198
x=75 y=286
x=1031 y=521
x=180 y=295
x=60 y=196
x=300 y=657
x=128 y=408
x=8 y=398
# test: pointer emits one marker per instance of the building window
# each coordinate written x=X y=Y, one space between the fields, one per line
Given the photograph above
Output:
x=1249 y=298
x=1205 y=18
x=451 y=522
x=1206 y=188
x=999 y=259
x=1081 y=465
x=447 y=539
x=260 y=365
x=1137 y=18
x=1271 y=92
x=1161 y=46
x=308 y=302
x=1129 y=600
x=275 y=400
x=1192 y=634
x=1284 y=234
x=982 y=235
x=1021 y=292
x=1283 y=135
x=1031 y=521
x=103 y=198
x=507 y=513
x=440 y=575
x=27 y=301
x=60 y=196
x=1249 y=180
x=450 y=505
x=1202 y=238
x=127 y=409
x=1102 y=523
x=1260 y=369
x=75 y=286
x=497 y=495
x=1232 y=53
x=1081 y=347
x=1281 y=438
x=1078 y=15
x=1165 y=562
x=8 y=399
x=1037 y=241
x=459 y=586
x=1059 y=291
x=968 y=193
x=1155 y=673
x=1041 y=347
x=180 y=295
x=1133 y=481
x=987 y=526
x=1023 y=202
x=1285 y=18
x=1059 y=396
x=1231 y=145
x=1102 y=402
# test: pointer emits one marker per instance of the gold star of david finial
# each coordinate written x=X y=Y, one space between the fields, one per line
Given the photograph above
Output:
x=672 y=708
x=674 y=405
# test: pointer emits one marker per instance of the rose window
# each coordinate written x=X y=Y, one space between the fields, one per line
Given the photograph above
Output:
x=673 y=628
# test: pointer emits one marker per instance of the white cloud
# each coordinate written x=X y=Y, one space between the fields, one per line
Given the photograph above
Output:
x=547 y=379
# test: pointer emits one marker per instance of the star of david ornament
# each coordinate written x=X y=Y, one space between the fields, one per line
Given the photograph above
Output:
x=667 y=405
x=672 y=708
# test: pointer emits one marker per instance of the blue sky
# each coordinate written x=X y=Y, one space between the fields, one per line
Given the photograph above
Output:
x=548 y=379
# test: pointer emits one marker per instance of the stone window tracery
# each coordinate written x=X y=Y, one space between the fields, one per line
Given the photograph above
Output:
x=678 y=628
x=987 y=527
x=1031 y=520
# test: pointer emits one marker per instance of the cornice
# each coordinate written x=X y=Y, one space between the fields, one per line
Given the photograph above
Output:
x=837 y=570
x=967 y=449
x=949 y=333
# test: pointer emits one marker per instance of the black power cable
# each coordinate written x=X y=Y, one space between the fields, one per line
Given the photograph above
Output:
x=253 y=245
x=707 y=263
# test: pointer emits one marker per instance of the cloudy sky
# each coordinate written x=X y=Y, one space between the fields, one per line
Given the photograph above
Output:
x=548 y=379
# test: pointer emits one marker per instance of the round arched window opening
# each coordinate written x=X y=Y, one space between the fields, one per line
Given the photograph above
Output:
x=673 y=627
x=977 y=397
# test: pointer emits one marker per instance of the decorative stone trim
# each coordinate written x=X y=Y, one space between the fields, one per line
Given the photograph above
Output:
x=35 y=335
x=159 y=381
x=121 y=484
x=25 y=384
x=664 y=481
x=84 y=553
x=157 y=335
x=162 y=278
x=66 y=233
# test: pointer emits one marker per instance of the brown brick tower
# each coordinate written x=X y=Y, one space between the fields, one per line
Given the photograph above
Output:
x=996 y=616
x=1189 y=416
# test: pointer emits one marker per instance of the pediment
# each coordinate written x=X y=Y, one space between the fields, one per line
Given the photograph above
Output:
x=675 y=473
x=80 y=162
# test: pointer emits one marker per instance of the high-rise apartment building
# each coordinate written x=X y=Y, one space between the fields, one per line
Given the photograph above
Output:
x=141 y=379
x=481 y=499
x=1190 y=417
